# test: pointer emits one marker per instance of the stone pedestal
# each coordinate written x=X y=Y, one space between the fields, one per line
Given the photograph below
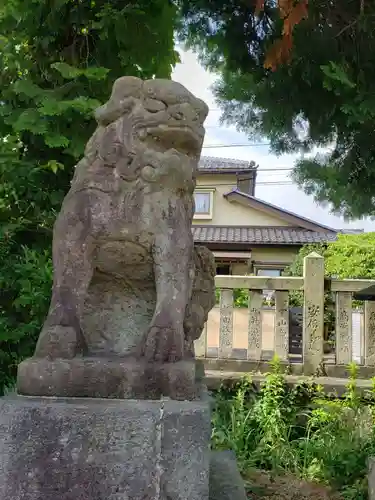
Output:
x=108 y=377
x=102 y=449
x=226 y=482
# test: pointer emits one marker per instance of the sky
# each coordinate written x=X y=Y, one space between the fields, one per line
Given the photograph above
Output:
x=199 y=81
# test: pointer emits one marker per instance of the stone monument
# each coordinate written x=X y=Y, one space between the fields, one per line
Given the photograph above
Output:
x=111 y=405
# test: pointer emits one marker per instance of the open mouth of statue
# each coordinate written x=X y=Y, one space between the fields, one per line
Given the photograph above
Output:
x=181 y=138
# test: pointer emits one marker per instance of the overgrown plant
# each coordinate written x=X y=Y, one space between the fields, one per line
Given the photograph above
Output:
x=299 y=430
x=275 y=419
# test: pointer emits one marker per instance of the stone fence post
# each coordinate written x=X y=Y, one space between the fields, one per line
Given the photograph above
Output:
x=313 y=313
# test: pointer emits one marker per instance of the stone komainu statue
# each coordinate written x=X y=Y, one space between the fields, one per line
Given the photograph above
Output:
x=128 y=281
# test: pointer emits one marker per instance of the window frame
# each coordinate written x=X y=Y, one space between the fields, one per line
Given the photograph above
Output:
x=269 y=267
x=208 y=215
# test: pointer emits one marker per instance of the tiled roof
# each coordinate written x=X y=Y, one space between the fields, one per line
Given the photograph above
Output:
x=268 y=235
x=212 y=164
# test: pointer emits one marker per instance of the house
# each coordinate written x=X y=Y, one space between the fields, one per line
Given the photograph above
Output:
x=246 y=234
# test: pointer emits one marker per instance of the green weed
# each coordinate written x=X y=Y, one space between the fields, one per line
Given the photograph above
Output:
x=300 y=430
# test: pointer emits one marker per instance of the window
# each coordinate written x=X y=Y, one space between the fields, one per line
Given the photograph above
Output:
x=268 y=272
x=223 y=269
x=203 y=204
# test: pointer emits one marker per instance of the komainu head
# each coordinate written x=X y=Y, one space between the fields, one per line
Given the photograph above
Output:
x=163 y=114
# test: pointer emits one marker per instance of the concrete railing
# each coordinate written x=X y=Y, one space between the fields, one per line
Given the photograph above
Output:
x=313 y=284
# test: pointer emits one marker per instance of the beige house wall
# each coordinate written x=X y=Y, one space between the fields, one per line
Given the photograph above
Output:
x=225 y=213
x=265 y=256
x=240 y=269
x=259 y=256
x=274 y=255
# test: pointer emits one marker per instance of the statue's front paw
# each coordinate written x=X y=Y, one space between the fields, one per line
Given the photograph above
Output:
x=164 y=344
x=57 y=342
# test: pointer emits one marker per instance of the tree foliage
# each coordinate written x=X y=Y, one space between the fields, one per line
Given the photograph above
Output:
x=296 y=269
x=351 y=256
x=58 y=61
x=321 y=96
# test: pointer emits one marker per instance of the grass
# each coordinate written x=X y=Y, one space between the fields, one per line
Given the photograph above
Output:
x=299 y=431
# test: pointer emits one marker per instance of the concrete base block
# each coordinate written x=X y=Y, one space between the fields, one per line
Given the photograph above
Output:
x=226 y=482
x=103 y=449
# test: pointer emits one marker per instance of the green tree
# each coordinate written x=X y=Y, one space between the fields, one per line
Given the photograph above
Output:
x=58 y=61
x=351 y=256
x=322 y=96
x=296 y=269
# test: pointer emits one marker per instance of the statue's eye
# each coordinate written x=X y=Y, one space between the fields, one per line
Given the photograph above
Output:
x=153 y=105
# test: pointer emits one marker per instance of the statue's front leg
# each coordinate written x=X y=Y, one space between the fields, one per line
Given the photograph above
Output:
x=165 y=340
x=61 y=335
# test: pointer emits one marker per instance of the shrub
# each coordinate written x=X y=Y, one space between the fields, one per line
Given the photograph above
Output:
x=298 y=430
x=25 y=289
